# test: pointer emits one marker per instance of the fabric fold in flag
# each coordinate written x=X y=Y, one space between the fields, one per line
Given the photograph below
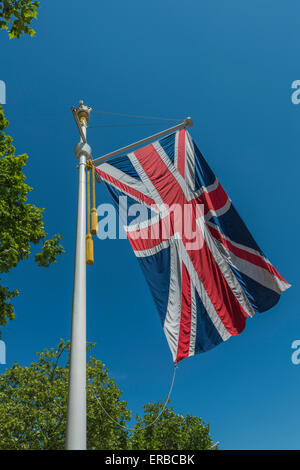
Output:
x=205 y=271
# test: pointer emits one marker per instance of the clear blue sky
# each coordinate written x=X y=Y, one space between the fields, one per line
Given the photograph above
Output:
x=230 y=66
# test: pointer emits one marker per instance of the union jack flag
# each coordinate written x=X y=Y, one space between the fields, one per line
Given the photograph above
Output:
x=205 y=280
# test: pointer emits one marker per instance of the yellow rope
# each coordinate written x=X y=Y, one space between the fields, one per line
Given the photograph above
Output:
x=89 y=239
x=94 y=218
x=88 y=198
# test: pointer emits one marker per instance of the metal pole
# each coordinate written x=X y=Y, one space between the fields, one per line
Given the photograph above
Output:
x=76 y=417
x=187 y=122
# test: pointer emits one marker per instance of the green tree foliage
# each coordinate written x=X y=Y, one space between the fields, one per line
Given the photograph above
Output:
x=33 y=408
x=21 y=223
x=16 y=16
x=171 y=431
x=33 y=404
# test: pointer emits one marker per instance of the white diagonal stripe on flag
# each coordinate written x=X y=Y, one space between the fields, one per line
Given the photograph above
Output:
x=172 y=319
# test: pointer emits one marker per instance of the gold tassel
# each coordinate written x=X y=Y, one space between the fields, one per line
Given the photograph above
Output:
x=89 y=239
x=89 y=249
x=94 y=218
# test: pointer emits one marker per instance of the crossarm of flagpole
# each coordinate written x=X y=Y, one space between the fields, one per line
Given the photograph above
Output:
x=187 y=122
x=74 y=111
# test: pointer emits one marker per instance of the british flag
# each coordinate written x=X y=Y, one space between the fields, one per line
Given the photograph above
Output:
x=207 y=279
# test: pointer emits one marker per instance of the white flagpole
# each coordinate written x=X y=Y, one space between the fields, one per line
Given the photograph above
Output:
x=76 y=417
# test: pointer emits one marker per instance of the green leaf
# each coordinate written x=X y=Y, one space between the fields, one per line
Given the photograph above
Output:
x=17 y=16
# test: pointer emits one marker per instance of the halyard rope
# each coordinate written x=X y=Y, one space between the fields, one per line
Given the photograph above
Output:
x=121 y=125
x=147 y=425
x=137 y=116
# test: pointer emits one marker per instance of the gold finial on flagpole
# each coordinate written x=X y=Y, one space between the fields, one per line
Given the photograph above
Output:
x=83 y=113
